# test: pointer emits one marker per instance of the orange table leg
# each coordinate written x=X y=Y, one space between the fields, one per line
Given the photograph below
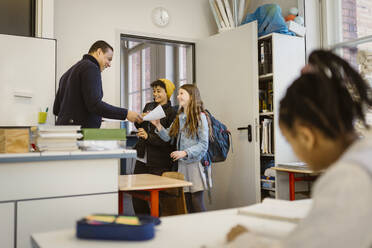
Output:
x=291 y=186
x=154 y=202
x=121 y=193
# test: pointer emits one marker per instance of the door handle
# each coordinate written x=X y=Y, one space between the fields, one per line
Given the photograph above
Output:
x=249 y=129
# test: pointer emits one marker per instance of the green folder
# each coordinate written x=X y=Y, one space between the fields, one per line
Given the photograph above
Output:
x=103 y=134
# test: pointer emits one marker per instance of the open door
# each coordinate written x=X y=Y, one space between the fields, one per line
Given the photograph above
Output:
x=227 y=76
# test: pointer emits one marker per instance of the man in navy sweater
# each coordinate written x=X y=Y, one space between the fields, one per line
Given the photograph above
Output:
x=79 y=96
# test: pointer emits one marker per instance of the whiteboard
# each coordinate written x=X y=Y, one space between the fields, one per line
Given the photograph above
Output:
x=27 y=79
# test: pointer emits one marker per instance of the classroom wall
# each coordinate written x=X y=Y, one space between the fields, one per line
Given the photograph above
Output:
x=78 y=23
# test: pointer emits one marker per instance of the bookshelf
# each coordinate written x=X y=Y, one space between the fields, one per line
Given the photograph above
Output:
x=280 y=58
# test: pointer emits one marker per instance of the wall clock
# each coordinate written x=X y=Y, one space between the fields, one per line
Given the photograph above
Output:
x=160 y=16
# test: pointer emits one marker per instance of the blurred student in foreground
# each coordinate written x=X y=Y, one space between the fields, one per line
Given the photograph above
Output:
x=317 y=117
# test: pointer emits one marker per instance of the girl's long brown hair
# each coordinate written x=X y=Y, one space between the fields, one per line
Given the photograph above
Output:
x=194 y=109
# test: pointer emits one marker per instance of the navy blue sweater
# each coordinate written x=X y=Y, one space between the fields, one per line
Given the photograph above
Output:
x=79 y=97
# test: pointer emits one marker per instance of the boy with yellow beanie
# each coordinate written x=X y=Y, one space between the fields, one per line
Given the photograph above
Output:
x=152 y=152
x=169 y=86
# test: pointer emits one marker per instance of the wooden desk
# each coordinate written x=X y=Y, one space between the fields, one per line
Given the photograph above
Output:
x=207 y=229
x=311 y=175
x=147 y=182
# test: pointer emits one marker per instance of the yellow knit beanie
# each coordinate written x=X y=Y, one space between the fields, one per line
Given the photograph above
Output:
x=169 y=86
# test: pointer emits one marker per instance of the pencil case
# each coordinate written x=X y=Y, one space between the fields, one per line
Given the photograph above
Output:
x=145 y=230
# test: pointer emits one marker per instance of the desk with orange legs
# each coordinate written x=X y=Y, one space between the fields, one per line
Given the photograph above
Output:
x=310 y=176
x=147 y=182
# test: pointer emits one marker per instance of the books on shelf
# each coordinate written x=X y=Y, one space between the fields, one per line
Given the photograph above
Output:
x=241 y=10
x=98 y=139
x=228 y=13
x=265 y=57
x=266 y=95
x=57 y=138
x=103 y=134
x=267 y=136
x=101 y=145
x=222 y=10
x=294 y=165
x=281 y=210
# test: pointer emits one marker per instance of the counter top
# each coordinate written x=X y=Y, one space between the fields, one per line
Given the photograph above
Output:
x=76 y=155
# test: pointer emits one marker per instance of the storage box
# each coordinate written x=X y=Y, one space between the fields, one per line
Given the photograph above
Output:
x=296 y=28
x=14 y=140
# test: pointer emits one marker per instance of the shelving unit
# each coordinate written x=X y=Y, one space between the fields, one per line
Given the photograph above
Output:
x=280 y=58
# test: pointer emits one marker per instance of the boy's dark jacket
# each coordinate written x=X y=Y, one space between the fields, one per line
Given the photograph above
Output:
x=158 y=151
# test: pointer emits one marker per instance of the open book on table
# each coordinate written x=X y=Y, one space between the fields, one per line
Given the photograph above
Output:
x=282 y=210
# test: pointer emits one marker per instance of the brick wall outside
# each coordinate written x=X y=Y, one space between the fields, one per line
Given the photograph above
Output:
x=349 y=27
x=364 y=19
x=357 y=22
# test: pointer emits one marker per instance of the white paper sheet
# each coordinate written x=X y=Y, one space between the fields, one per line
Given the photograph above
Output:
x=156 y=114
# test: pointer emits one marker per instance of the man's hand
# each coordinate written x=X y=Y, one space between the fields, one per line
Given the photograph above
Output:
x=134 y=117
x=142 y=134
x=235 y=232
x=178 y=155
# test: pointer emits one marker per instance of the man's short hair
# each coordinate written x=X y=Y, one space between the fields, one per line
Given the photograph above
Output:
x=100 y=44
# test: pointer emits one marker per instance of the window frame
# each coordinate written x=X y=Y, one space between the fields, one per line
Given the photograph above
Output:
x=158 y=70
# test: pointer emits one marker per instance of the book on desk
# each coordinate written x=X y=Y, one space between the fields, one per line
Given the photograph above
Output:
x=281 y=210
x=294 y=165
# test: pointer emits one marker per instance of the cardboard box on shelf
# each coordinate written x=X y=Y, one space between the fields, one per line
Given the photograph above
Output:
x=14 y=140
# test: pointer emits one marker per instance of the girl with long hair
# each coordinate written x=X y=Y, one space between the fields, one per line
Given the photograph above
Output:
x=190 y=130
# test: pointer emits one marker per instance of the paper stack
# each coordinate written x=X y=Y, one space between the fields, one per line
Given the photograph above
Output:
x=267 y=137
x=98 y=139
x=227 y=17
x=57 y=138
x=281 y=210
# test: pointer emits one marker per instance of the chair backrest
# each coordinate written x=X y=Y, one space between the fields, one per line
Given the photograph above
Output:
x=173 y=201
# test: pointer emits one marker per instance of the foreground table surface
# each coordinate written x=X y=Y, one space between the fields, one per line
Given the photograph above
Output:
x=207 y=229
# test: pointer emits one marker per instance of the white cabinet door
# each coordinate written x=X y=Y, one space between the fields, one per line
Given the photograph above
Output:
x=227 y=76
x=7 y=225
x=59 y=213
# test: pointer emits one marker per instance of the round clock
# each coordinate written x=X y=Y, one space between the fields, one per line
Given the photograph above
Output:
x=160 y=17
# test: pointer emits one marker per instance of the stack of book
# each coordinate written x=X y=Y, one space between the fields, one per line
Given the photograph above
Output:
x=57 y=138
x=227 y=17
x=279 y=210
x=267 y=137
x=99 y=139
x=265 y=57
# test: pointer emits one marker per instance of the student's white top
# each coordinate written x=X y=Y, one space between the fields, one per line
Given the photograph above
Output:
x=341 y=214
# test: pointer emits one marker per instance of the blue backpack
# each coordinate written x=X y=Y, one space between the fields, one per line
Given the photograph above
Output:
x=219 y=144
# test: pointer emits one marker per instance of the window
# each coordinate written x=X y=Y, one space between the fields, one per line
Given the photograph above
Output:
x=144 y=60
x=182 y=66
x=139 y=77
x=356 y=23
x=354 y=41
x=17 y=17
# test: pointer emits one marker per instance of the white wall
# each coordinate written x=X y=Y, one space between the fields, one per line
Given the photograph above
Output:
x=78 y=23
x=313 y=24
